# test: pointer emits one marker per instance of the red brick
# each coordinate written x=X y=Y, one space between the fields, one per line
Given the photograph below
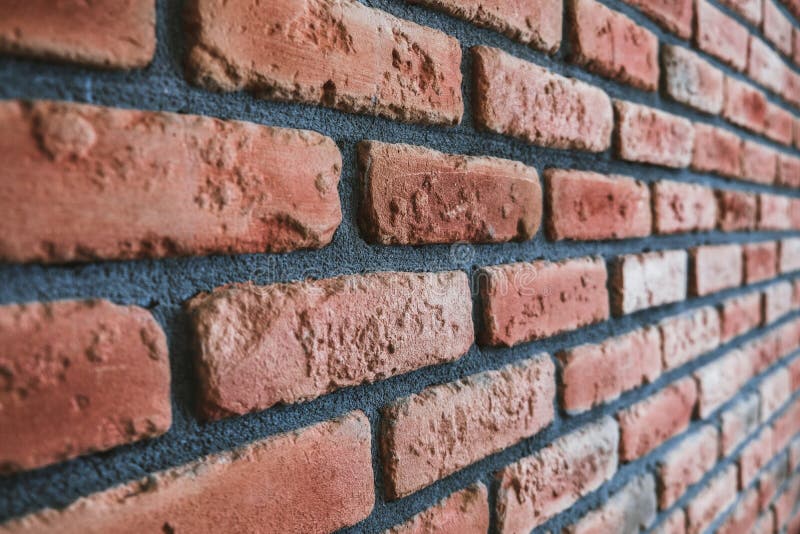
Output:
x=778 y=301
x=413 y=195
x=465 y=512
x=691 y=80
x=612 y=45
x=754 y=456
x=675 y=523
x=789 y=255
x=119 y=184
x=771 y=480
x=683 y=207
x=736 y=210
x=586 y=205
x=786 y=426
x=523 y=100
x=794 y=373
x=775 y=390
x=791 y=89
x=720 y=35
x=778 y=127
x=79 y=377
x=652 y=421
x=759 y=163
x=648 y=135
x=774 y=212
x=794 y=213
x=593 y=374
x=315 y=337
x=551 y=480
x=715 y=267
x=721 y=380
x=314 y=480
x=631 y=509
x=533 y=22
x=743 y=517
x=686 y=464
x=765 y=66
x=712 y=500
x=750 y=10
x=763 y=351
x=794 y=451
x=673 y=16
x=527 y=301
x=430 y=435
x=103 y=33
x=786 y=503
x=744 y=105
x=796 y=45
x=789 y=170
x=739 y=315
x=738 y=421
x=777 y=27
x=716 y=150
x=760 y=261
x=764 y=525
x=339 y=54
x=640 y=281
x=685 y=337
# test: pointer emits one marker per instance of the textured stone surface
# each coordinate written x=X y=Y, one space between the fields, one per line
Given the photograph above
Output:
x=686 y=464
x=692 y=80
x=586 y=205
x=631 y=509
x=720 y=381
x=427 y=436
x=101 y=33
x=412 y=195
x=673 y=15
x=537 y=487
x=744 y=105
x=716 y=150
x=720 y=35
x=464 y=512
x=718 y=494
x=714 y=268
x=314 y=480
x=85 y=182
x=520 y=99
x=736 y=210
x=648 y=135
x=526 y=301
x=759 y=163
x=319 y=336
x=79 y=377
x=685 y=337
x=739 y=315
x=640 y=281
x=683 y=207
x=760 y=261
x=738 y=421
x=338 y=53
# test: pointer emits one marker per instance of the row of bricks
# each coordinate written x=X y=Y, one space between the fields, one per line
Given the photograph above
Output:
x=89 y=182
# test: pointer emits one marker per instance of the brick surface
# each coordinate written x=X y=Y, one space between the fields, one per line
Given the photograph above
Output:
x=760 y=261
x=794 y=451
x=86 y=182
x=79 y=377
x=720 y=35
x=789 y=170
x=738 y=422
x=750 y=10
x=715 y=267
x=754 y=456
x=534 y=22
x=786 y=426
x=652 y=421
x=686 y=464
x=777 y=27
x=540 y=486
x=744 y=105
x=612 y=45
x=412 y=195
x=683 y=207
x=736 y=210
x=765 y=66
x=786 y=503
x=744 y=515
x=314 y=480
x=374 y=63
x=428 y=436
x=718 y=494
x=318 y=336
x=526 y=301
x=103 y=33
x=520 y=99
x=593 y=374
x=774 y=212
x=675 y=17
x=778 y=301
x=691 y=80
x=631 y=509
x=648 y=135
x=685 y=337
x=466 y=512
x=739 y=315
x=716 y=150
x=775 y=391
x=640 y=281
x=789 y=255
x=794 y=373
x=778 y=125
x=764 y=524
x=771 y=480
x=759 y=163
x=675 y=523
x=720 y=381
x=586 y=205
x=763 y=351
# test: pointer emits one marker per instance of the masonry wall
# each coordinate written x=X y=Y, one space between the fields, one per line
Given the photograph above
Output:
x=423 y=266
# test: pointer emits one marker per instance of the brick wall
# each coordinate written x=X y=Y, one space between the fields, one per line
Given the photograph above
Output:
x=405 y=266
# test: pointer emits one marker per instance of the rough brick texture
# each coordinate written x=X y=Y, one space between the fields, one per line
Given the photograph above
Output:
x=632 y=509
x=674 y=16
x=777 y=27
x=765 y=66
x=640 y=281
x=789 y=255
x=316 y=337
x=754 y=456
x=681 y=207
x=464 y=512
x=759 y=163
x=720 y=380
x=789 y=170
x=743 y=517
x=744 y=105
x=686 y=465
x=720 y=35
x=774 y=212
x=711 y=501
x=715 y=267
x=736 y=211
x=739 y=315
x=778 y=124
x=760 y=261
x=716 y=150
x=738 y=421
x=685 y=337
x=648 y=135
x=750 y=10
x=692 y=80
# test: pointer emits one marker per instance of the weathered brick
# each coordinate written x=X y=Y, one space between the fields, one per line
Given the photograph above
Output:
x=534 y=22
x=775 y=390
x=523 y=100
x=683 y=207
x=430 y=435
x=789 y=170
x=739 y=315
x=712 y=500
x=652 y=421
x=640 y=281
x=778 y=301
x=794 y=451
x=586 y=205
x=777 y=27
x=463 y=512
x=765 y=66
x=750 y=10
x=675 y=523
x=314 y=480
x=765 y=523
x=720 y=381
x=686 y=464
x=720 y=35
x=791 y=87
x=631 y=509
x=744 y=105
x=675 y=17
x=685 y=337
x=79 y=377
x=414 y=195
x=778 y=125
x=371 y=63
x=786 y=426
x=691 y=80
x=612 y=45
x=551 y=480
x=771 y=480
x=760 y=261
x=527 y=301
x=754 y=456
x=593 y=374
x=736 y=210
x=796 y=46
x=738 y=422
x=759 y=163
x=763 y=351
x=774 y=212
x=715 y=267
x=794 y=373
x=648 y=135
x=789 y=255
x=743 y=517
x=103 y=33
x=786 y=503
x=315 y=337
x=716 y=150
x=120 y=184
